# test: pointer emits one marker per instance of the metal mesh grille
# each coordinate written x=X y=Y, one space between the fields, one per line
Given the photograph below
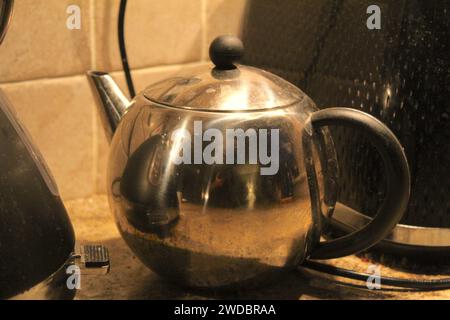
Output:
x=399 y=74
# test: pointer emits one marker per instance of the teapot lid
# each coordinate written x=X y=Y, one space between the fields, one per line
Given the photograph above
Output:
x=226 y=86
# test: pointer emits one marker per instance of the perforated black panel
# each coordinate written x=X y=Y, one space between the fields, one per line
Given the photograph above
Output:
x=399 y=74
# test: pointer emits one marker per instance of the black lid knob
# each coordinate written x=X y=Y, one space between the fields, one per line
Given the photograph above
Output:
x=225 y=50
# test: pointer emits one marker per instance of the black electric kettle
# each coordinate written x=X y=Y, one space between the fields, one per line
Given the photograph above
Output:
x=37 y=241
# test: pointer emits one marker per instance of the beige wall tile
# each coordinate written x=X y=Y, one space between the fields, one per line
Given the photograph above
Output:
x=157 y=33
x=59 y=115
x=163 y=38
x=38 y=43
x=141 y=78
x=223 y=17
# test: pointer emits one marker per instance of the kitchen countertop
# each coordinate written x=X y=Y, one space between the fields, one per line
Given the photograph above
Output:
x=130 y=279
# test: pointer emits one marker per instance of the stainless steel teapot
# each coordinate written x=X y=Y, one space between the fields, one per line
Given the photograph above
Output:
x=213 y=176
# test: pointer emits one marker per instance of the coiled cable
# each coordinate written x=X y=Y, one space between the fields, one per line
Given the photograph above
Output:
x=122 y=48
x=434 y=284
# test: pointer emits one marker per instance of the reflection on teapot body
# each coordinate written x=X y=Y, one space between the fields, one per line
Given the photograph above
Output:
x=201 y=223
x=222 y=147
x=218 y=223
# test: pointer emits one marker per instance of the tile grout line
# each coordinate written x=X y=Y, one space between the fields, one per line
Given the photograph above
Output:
x=92 y=34
x=203 y=30
x=167 y=67
x=95 y=129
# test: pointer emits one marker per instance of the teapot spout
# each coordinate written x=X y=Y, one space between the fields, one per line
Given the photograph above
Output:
x=111 y=101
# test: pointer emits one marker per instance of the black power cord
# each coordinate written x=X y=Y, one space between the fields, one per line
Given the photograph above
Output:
x=122 y=47
x=437 y=284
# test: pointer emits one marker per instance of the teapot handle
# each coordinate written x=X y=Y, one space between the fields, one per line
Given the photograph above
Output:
x=397 y=178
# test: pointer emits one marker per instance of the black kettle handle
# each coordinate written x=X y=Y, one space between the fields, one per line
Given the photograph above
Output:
x=397 y=178
x=6 y=10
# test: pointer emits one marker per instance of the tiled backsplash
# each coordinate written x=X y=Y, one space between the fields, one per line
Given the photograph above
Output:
x=43 y=65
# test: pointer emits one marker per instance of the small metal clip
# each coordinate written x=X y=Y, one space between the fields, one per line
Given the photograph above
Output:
x=92 y=259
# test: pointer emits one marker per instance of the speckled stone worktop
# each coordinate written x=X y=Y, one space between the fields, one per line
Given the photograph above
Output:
x=130 y=279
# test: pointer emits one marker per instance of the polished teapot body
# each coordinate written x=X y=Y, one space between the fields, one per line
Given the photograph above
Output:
x=222 y=176
x=191 y=220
